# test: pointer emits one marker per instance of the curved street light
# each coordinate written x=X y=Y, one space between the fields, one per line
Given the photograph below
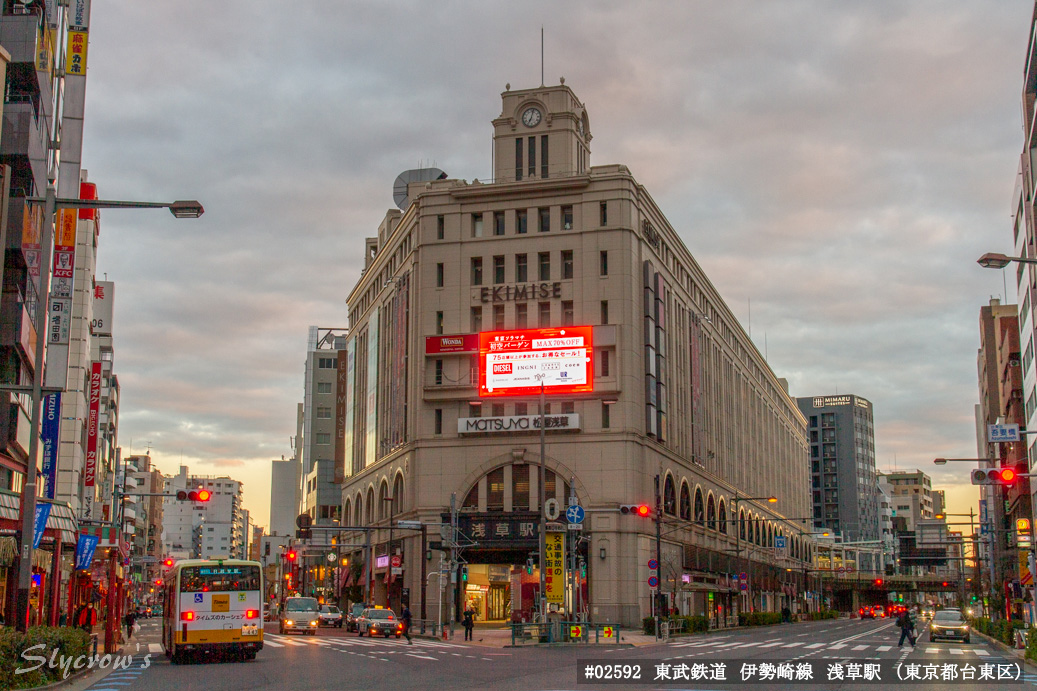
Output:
x=996 y=260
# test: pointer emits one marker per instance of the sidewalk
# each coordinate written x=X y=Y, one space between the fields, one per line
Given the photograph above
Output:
x=1017 y=653
x=497 y=637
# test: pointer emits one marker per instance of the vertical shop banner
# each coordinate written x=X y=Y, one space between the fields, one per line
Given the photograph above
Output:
x=348 y=441
x=59 y=310
x=40 y=524
x=371 y=451
x=103 y=308
x=554 y=567
x=85 y=550
x=75 y=53
x=49 y=435
x=341 y=389
x=93 y=413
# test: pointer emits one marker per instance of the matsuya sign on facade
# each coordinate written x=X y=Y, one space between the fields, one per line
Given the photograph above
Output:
x=517 y=423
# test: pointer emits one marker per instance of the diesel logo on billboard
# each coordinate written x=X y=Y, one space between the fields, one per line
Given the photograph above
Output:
x=517 y=423
x=531 y=291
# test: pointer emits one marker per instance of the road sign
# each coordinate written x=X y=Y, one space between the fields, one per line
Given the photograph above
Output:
x=608 y=632
x=840 y=569
x=575 y=526
x=779 y=542
x=395 y=571
x=743 y=576
x=999 y=433
x=653 y=581
x=653 y=564
x=742 y=585
x=332 y=557
x=575 y=513
x=396 y=560
x=576 y=631
x=551 y=509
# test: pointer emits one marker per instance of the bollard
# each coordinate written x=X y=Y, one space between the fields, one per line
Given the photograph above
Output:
x=94 y=637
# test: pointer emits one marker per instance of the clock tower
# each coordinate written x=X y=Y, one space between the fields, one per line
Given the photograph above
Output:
x=541 y=133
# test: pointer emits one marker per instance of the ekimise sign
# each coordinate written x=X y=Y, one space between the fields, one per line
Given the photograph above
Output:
x=514 y=363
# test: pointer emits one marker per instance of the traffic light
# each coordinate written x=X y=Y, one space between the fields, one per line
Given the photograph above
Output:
x=201 y=495
x=529 y=565
x=878 y=582
x=642 y=510
x=303 y=534
x=464 y=574
x=168 y=563
x=944 y=584
x=995 y=476
x=974 y=598
x=291 y=555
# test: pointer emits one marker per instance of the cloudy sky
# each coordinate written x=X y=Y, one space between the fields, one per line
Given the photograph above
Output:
x=835 y=167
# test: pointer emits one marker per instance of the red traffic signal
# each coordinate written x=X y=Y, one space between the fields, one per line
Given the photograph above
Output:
x=291 y=555
x=202 y=495
x=168 y=562
x=878 y=582
x=642 y=510
x=945 y=584
x=1007 y=475
x=995 y=476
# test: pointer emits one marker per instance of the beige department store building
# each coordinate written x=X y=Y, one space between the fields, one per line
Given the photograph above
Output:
x=679 y=391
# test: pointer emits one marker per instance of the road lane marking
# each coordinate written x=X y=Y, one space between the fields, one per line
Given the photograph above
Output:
x=931 y=651
x=957 y=651
x=793 y=645
x=860 y=647
x=270 y=643
x=772 y=645
x=814 y=645
x=884 y=648
x=982 y=652
x=155 y=647
x=836 y=646
x=423 y=657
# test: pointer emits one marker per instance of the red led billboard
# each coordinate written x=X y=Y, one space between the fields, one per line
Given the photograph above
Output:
x=514 y=363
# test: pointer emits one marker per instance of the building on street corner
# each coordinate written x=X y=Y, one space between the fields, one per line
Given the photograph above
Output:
x=570 y=272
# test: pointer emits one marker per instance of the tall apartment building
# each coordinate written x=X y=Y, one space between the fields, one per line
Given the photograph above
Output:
x=1024 y=236
x=670 y=386
x=912 y=495
x=843 y=483
x=44 y=103
x=202 y=530
x=321 y=495
x=285 y=493
x=1000 y=375
x=144 y=518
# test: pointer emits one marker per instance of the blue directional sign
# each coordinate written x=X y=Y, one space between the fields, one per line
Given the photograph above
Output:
x=575 y=513
x=779 y=542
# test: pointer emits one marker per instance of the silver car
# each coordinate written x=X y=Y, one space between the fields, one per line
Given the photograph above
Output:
x=948 y=623
x=378 y=621
x=300 y=614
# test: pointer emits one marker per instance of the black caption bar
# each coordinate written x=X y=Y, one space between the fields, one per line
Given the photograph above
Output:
x=662 y=672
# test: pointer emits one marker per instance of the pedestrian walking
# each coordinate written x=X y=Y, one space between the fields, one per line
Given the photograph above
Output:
x=469 y=623
x=86 y=617
x=406 y=617
x=907 y=629
x=129 y=620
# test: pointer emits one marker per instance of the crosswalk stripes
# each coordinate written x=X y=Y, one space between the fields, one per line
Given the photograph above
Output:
x=793 y=645
x=860 y=647
x=812 y=646
x=883 y=648
x=155 y=648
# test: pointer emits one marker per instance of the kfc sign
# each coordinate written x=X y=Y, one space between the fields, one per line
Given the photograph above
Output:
x=515 y=363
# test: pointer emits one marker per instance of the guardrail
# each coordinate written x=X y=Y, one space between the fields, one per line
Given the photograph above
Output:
x=565 y=632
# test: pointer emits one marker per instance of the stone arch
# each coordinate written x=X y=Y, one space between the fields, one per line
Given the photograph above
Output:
x=398 y=495
x=370 y=505
x=385 y=508
x=358 y=508
x=685 y=501
x=347 y=511
x=722 y=516
x=711 y=512
x=559 y=469
x=669 y=496
x=741 y=523
x=700 y=507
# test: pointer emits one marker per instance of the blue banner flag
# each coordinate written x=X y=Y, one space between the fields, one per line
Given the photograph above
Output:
x=49 y=431
x=85 y=551
x=42 y=514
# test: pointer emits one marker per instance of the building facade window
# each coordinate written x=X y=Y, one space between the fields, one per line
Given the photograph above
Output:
x=567 y=264
x=498 y=317
x=544 y=320
x=521 y=221
x=498 y=269
x=477 y=225
x=498 y=410
x=532 y=156
x=544 y=259
x=323 y=413
x=521 y=409
x=498 y=223
x=439 y=275
x=567 y=313
x=440 y=227
x=567 y=217
x=521 y=316
x=521 y=270
x=327 y=363
x=603 y=214
x=439 y=372
x=324 y=387
x=543 y=156
x=439 y=421
x=545 y=220
x=606 y=420
x=604 y=369
x=603 y=263
x=518 y=158
x=476 y=271
x=476 y=319
x=604 y=311
x=439 y=322
x=323 y=438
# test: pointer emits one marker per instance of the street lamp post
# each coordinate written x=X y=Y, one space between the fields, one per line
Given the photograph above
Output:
x=543 y=513
x=51 y=202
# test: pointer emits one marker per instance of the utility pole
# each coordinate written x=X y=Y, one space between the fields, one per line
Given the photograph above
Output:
x=424 y=570
x=540 y=505
x=453 y=561
x=658 y=556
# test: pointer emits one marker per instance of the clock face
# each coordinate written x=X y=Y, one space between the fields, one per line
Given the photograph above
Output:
x=531 y=117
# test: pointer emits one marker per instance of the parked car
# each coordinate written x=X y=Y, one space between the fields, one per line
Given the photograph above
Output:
x=376 y=621
x=948 y=623
x=353 y=614
x=866 y=612
x=300 y=614
x=330 y=615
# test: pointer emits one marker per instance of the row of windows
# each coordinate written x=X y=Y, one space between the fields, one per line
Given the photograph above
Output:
x=531 y=146
x=541 y=215
x=521 y=268
x=499 y=322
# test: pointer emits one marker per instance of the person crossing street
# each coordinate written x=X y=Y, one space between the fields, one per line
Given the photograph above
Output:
x=907 y=628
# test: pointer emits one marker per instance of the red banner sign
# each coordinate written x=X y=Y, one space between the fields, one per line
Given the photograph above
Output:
x=463 y=343
x=90 y=467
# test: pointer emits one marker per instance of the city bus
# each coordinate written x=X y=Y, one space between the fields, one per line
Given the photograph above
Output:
x=213 y=607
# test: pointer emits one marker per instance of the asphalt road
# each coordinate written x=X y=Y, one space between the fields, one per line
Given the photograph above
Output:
x=337 y=660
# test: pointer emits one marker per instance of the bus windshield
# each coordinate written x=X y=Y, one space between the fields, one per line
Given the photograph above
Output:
x=198 y=579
